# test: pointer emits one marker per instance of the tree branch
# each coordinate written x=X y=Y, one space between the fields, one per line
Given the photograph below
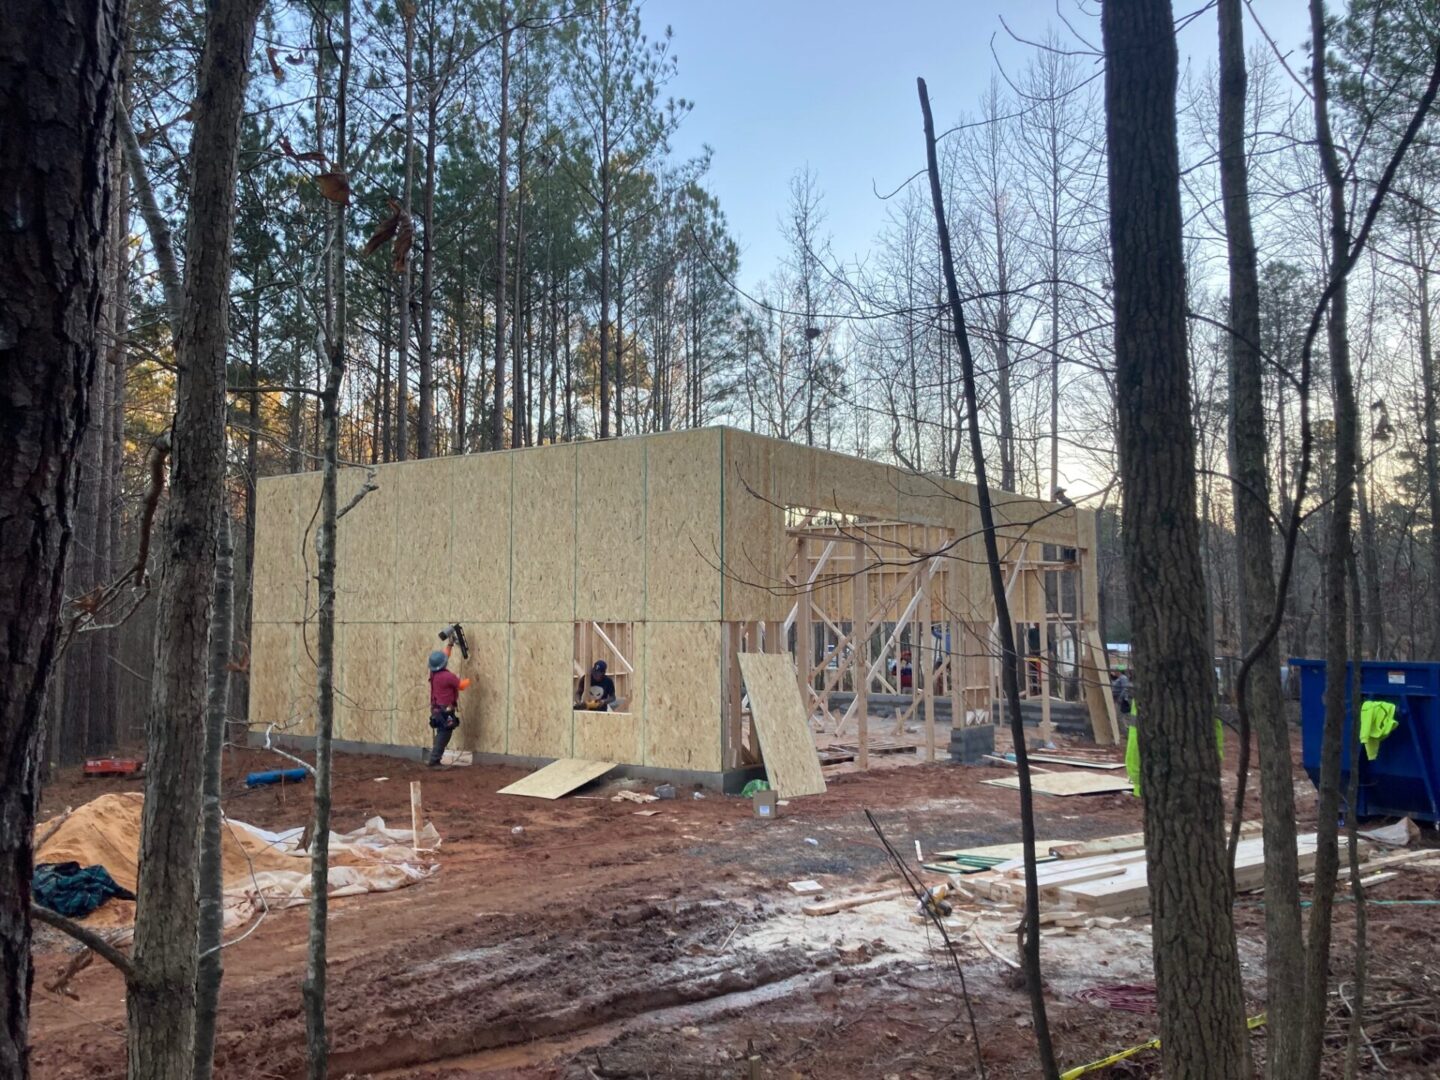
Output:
x=86 y=937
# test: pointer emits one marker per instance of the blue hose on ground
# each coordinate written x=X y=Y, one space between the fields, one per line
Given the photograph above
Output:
x=276 y=776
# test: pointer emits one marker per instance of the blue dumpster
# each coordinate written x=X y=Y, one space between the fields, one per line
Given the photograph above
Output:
x=1404 y=778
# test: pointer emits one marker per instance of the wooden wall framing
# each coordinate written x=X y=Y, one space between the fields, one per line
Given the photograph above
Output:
x=683 y=539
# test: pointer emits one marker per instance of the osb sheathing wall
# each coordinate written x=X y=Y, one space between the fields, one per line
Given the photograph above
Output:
x=763 y=476
x=520 y=545
x=517 y=546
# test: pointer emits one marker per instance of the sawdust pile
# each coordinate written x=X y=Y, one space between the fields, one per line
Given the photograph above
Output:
x=260 y=869
x=106 y=832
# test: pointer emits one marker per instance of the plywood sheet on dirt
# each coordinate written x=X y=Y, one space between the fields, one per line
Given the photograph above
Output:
x=484 y=705
x=542 y=535
x=558 y=778
x=478 y=578
x=365 y=683
x=279 y=594
x=1067 y=783
x=366 y=550
x=682 y=696
x=610 y=532
x=541 y=721
x=682 y=552
x=781 y=722
x=425 y=557
x=1001 y=852
x=276 y=696
x=754 y=544
x=1079 y=763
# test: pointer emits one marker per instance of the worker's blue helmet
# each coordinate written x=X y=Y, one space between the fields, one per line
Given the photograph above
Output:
x=437 y=660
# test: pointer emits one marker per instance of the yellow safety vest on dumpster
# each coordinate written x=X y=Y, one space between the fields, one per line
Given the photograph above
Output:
x=1377 y=721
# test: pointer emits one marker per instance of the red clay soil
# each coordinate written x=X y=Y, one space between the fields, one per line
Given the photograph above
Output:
x=600 y=943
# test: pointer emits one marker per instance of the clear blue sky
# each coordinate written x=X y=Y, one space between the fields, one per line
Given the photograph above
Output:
x=779 y=84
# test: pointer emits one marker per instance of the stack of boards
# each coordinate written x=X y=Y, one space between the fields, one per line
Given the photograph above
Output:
x=1115 y=883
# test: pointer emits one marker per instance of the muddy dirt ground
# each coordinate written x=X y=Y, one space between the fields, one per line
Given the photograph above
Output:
x=601 y=943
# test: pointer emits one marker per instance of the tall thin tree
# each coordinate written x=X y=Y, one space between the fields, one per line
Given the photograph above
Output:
x=160 y=1005
x=59 y=73
x=1197 y=969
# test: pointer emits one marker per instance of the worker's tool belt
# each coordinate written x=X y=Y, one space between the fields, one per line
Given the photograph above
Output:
x=442 y=717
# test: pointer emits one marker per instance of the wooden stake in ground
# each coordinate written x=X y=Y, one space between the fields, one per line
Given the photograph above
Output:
x=417 y=815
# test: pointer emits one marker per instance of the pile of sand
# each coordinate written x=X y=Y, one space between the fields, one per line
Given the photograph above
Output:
x=259 y=868
x=106 y=833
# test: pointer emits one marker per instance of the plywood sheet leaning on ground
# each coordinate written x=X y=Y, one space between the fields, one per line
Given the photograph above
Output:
x=558 y=778
x=1064 y=783
x=785 y=740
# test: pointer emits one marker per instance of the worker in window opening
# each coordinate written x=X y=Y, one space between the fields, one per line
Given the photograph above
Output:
x=445 y=687
x=600 y=695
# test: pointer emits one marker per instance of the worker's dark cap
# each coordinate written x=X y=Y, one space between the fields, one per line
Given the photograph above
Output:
x=599 y=666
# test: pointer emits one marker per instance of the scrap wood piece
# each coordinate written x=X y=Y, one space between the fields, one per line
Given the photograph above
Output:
x=560 y=777
x=634 y=796
x=1065 y=784
x=779 y=717
x=1122 y=842
x=845 y=903
x=1084 y=763
x=1380 y=862
x=807 y=887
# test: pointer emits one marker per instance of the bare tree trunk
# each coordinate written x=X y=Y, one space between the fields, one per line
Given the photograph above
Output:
x=241 y=689
x=619 y=344
x=1372 y=645
x=160 y=1004
x=59 y=73
x=313 y=989
x=605 y=328
x=402 y=363
x=217 y=708
x=1432 y=449
x=502 y=168
x=521 y=403
x=1258 y=693
x=1033 y=981
x=1197 y=970
x=427 y=273
x=1352 y=825
x=1337 y=553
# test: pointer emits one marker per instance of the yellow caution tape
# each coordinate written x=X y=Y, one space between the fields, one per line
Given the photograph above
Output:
x=1081 y=1070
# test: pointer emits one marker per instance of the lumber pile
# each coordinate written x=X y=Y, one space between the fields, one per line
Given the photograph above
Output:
x=1114 y=883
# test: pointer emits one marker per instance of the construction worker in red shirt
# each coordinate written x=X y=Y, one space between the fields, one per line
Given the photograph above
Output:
x=445 y=687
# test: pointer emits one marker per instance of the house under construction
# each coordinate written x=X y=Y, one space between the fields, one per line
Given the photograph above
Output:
x=668 y=556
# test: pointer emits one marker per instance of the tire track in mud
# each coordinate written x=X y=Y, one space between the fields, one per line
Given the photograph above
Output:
x=549 y=985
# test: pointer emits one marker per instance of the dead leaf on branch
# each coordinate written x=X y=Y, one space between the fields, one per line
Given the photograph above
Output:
x=404 y=237
x=335 y=186
x=295 y=155
x=385 y=231
x=275 y=68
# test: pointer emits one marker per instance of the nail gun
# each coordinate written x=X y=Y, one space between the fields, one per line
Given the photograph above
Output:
x=456 y=634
